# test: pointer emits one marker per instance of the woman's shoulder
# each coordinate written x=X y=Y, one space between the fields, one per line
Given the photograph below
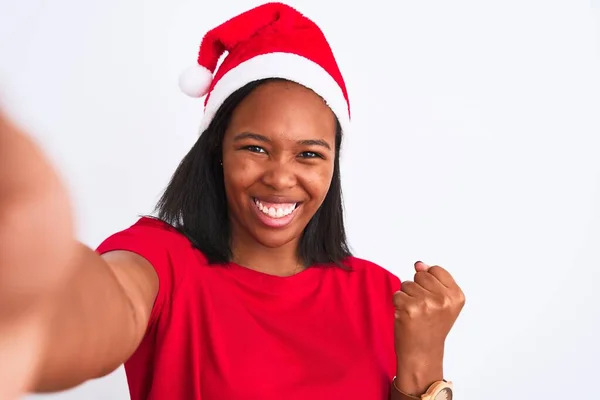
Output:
x=371 y=268
x=148 y=235
x=156 y=226
x=366 y=265
x=148 y=228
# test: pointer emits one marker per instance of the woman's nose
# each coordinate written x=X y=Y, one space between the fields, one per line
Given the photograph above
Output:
x=279 y=175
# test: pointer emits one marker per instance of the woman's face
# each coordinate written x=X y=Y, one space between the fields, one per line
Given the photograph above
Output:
x=278 y=159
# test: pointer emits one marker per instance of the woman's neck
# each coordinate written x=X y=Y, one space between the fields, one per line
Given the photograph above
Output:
x=280 y=261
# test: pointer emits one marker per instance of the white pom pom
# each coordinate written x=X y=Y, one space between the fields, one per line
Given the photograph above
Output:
x=195 y=80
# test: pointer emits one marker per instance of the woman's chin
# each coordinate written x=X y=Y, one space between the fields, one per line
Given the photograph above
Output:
x=274 y=239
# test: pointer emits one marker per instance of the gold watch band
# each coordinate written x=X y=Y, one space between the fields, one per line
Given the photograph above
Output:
x=403 y=396
x=432 y=393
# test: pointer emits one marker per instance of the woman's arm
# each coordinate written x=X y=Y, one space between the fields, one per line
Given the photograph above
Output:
x=97 y=320
x=426 y=310
x=66 y=313
x=415 y=377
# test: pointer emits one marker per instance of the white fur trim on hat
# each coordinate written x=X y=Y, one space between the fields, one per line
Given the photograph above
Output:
x=279 y=65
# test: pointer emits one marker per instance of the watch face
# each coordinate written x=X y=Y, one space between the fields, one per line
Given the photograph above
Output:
x=444 y=394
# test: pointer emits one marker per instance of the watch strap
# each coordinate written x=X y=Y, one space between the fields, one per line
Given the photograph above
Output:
x=432 y=391
x=401 y=395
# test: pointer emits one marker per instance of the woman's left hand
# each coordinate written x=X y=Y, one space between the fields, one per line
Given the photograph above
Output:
x=426 y=310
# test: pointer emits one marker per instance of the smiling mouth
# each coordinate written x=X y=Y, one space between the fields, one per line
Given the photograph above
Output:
x=275 y=210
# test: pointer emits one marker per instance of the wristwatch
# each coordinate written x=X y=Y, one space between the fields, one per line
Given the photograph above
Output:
x=440 y=390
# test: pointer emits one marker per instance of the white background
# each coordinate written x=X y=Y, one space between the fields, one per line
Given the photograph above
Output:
x=476 y=146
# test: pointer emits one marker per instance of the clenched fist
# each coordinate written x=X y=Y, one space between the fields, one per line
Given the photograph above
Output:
x=426 y=310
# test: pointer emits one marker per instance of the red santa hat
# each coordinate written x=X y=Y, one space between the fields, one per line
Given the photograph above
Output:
x=270 y=41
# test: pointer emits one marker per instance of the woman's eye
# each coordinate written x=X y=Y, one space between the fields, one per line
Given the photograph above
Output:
x=310 y=154
x=255 y=149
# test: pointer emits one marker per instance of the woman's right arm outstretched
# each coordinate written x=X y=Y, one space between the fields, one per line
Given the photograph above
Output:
x=98 y=320
x=67 y=314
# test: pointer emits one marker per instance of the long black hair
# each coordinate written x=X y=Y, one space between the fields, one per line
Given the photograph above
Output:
x=195 y=203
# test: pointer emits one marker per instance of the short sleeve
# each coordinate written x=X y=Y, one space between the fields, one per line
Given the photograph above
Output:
x=155 y=241
x=393 y=282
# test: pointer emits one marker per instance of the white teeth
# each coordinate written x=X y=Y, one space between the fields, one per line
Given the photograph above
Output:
x=274 y=212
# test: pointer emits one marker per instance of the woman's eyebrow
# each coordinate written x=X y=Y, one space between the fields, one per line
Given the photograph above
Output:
x=250 y=135
x=315 y=142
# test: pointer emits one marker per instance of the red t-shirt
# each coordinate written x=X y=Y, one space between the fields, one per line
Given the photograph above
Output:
x=229 y=332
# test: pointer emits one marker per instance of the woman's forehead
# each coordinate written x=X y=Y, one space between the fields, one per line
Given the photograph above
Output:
x=283 y=108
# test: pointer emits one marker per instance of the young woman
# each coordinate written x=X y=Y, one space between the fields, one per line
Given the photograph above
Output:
x=242 y=286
